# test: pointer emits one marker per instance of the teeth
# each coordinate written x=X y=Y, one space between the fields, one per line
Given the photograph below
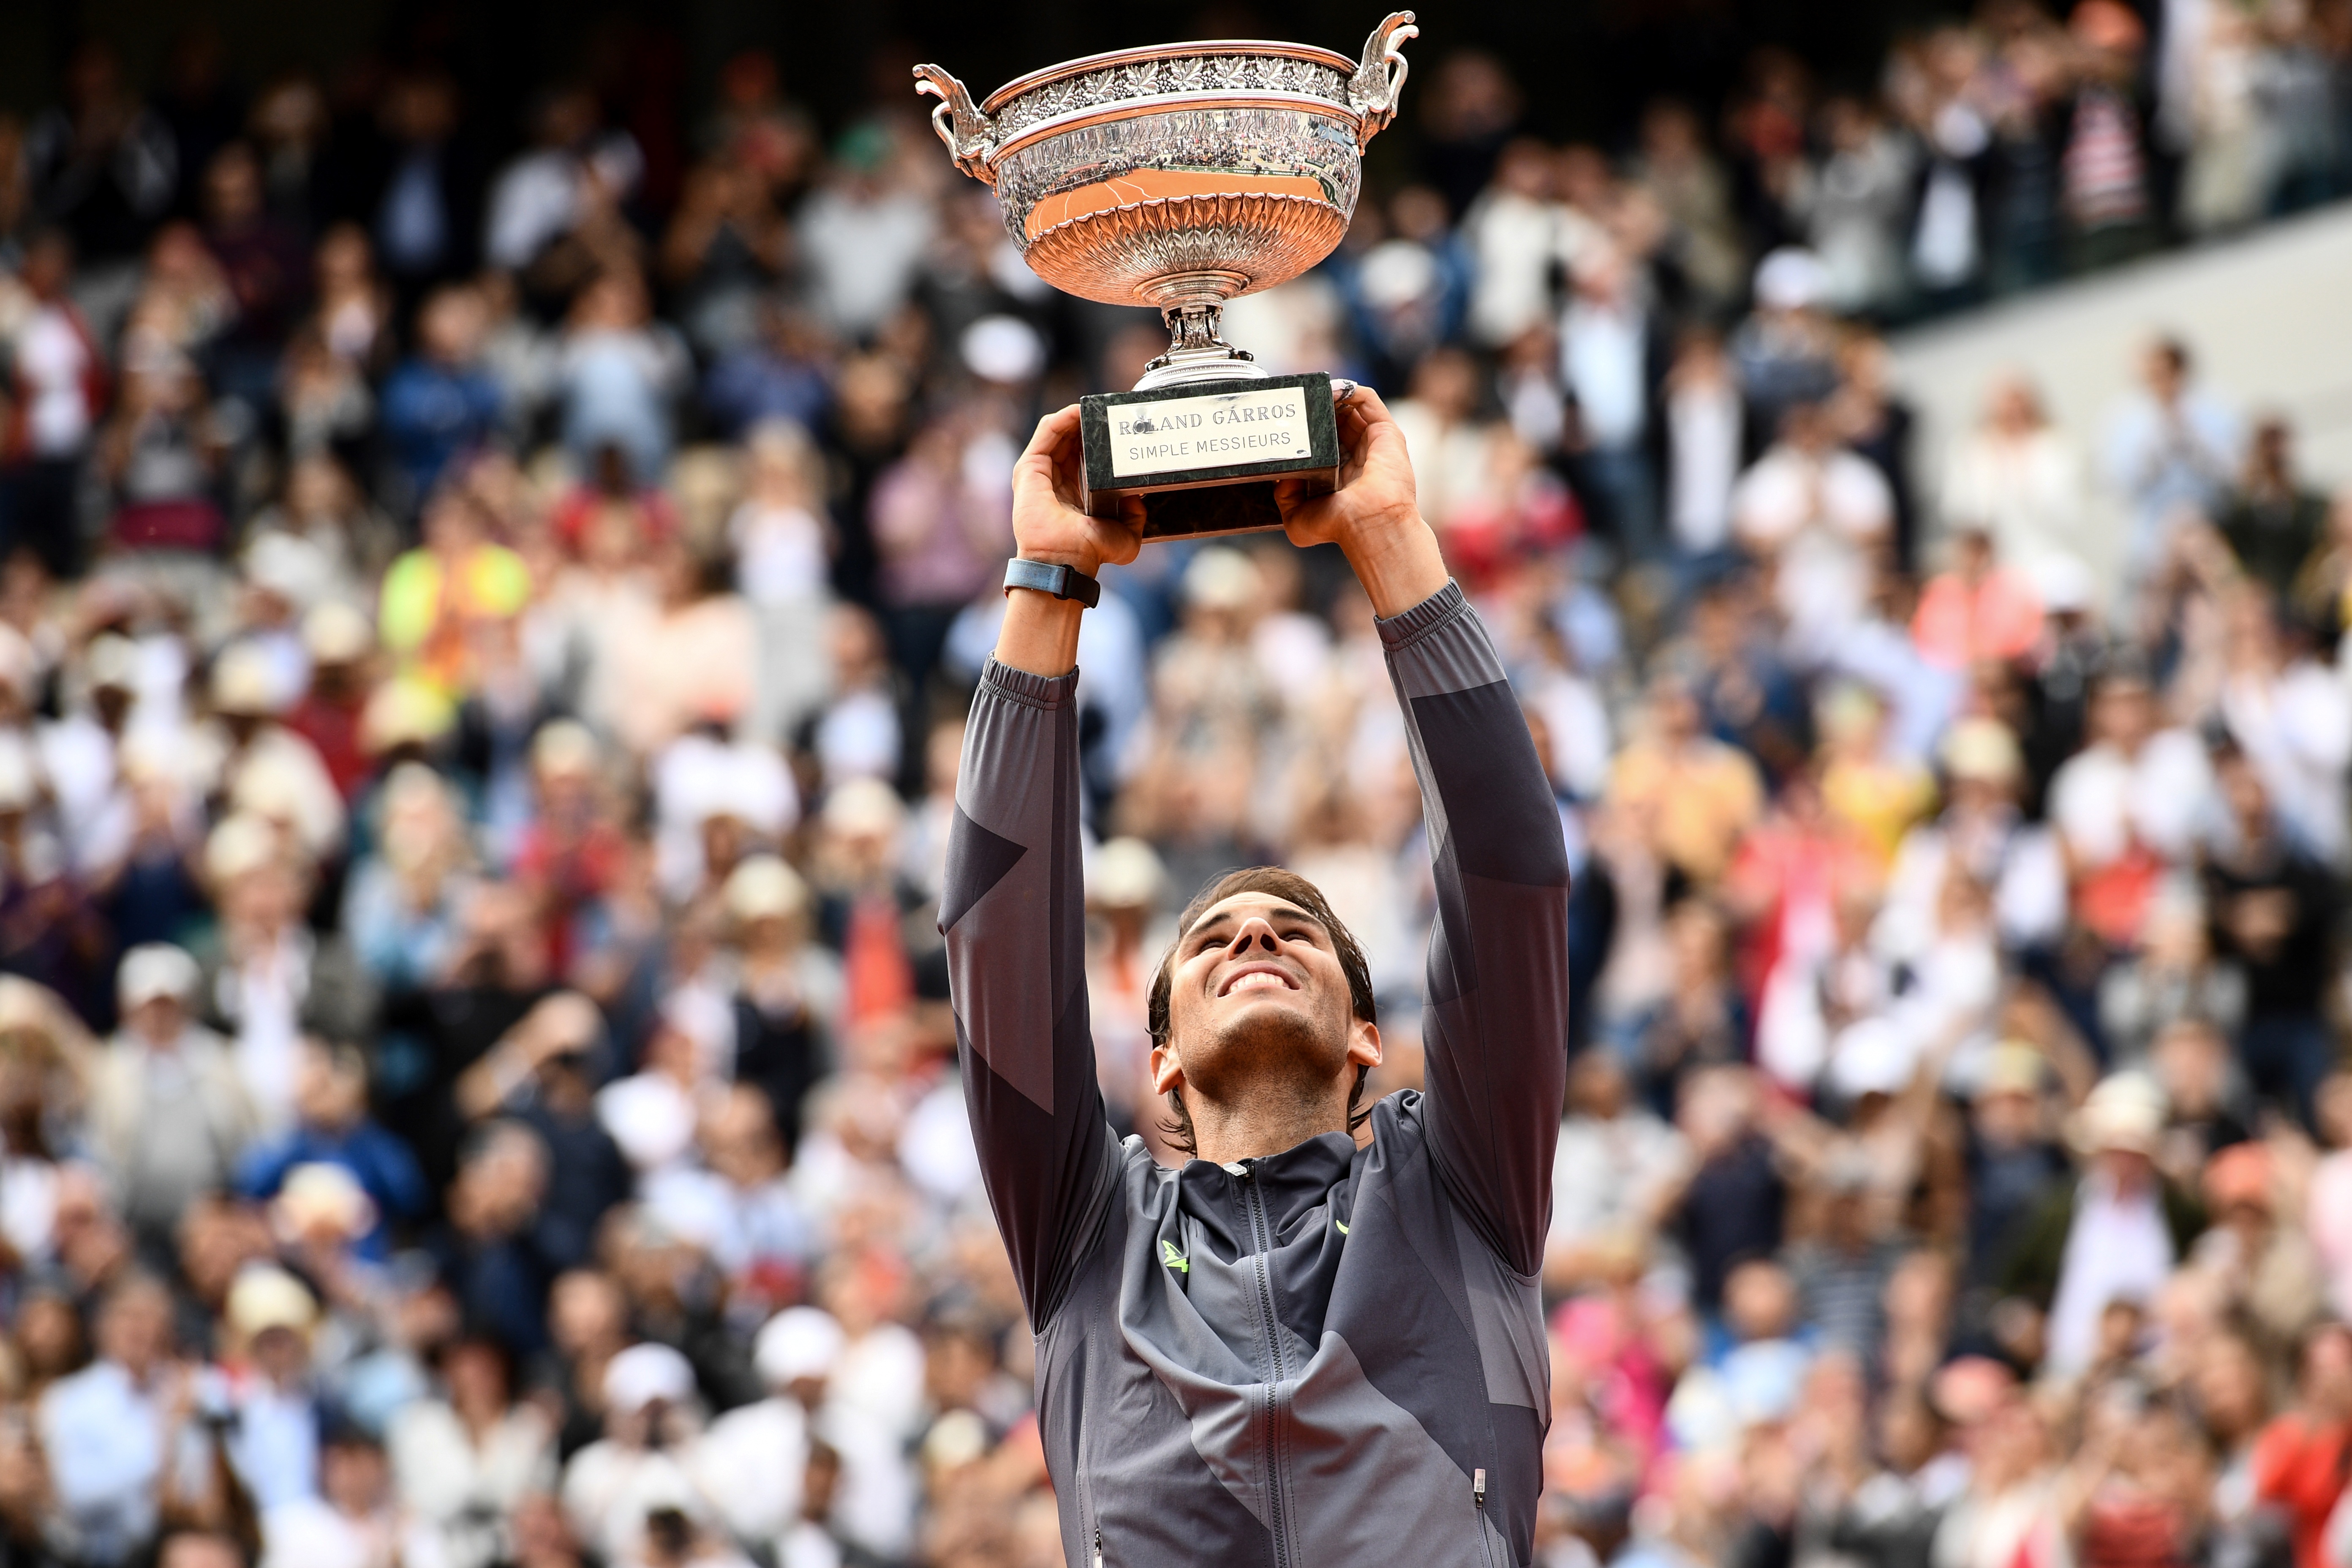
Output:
x=1262 y=980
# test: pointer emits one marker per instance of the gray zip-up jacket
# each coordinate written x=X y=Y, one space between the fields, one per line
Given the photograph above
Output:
x=1331 y=1355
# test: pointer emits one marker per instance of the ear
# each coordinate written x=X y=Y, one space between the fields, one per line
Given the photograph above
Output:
x=1363 y=1043
x=1167 y=1071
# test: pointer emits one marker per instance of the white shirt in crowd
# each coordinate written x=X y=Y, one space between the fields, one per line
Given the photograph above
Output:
x=2117 y=1249
x=1602 y=345
x=2101 y=799
x=1702 y=433
x=53 y=361
x=2025 y=489
x=2296 y=727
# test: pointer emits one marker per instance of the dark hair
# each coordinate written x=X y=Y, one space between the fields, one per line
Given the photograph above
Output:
x=1297 y=889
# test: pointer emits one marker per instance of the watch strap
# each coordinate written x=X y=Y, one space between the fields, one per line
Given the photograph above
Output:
x=1061 y=582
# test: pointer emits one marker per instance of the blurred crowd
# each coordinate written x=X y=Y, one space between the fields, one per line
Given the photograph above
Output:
x=484 y=634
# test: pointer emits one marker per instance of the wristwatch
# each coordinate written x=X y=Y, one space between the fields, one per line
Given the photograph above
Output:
x=1062 y=582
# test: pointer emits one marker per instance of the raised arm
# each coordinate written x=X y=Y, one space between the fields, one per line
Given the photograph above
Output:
x=1496 y=1028
x=1013 y=911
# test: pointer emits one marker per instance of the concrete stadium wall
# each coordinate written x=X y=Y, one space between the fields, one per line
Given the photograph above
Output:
x=2269 y=317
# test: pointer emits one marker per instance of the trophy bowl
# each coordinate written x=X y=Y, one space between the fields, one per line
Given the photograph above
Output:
x=1178 y=177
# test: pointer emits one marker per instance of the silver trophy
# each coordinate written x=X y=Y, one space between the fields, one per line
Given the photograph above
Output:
x=1180 y=177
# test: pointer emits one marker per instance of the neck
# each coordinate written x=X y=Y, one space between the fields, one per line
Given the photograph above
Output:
x=1271 y=1119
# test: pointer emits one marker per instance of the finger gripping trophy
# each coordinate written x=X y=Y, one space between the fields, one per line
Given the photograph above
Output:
x=1181 y=176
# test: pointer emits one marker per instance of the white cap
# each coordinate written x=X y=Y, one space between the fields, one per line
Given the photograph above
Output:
x=1003 y=349
x=319 y=1195
x=267 y=1296
x=1870 y=1055
x=565 y=746
x=244 y=843
x=291 y=567
x=1125 y=874
x=1790 y=278
x=649 y=1117
x=113 y=662
x=2124 y=1111
x=243 y=681
x=1221 y=578
x=1396 y=273
x=335 y=633
x=2064 y=583
x=643 y=1374
x=153 y=970
x=764 y=888
x=858 y=806
x=1984 y=749
x=798 y=1342
x=747 y=783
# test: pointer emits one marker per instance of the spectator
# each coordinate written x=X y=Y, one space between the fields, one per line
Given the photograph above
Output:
x=492 y=1248
x=2136 y=791
x=1816 y=512
x=2295 y=1458
x=441 y=405
x=2276 y=521
x=1855 y=207
x=169 y=1110
x=266 y=977
x=2113 y=1239
x=463 y=1461
x=863 y=234
x=2271 y=905
x=331 y=1126
x=2171 y=451
x=1616 y=1163
x=616 y=1490
x=2017 y=478
x=616 y=374
x=1610 y=364
x=2290 y=725
x=1703 y=417
x=1700 y=793
x=1975 y=610
x=116 y=1433
x=59 y=391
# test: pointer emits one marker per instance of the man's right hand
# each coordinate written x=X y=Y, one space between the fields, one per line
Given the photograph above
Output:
x=1041 y=633
x=1047 y=523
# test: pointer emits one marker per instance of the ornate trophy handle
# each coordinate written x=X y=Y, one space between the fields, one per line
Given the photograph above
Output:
x=970 y=135
x=1373 y=90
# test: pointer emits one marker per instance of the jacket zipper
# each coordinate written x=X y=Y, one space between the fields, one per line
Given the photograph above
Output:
x=1477 y=1496
x=1262 y=1237
x=1099 y=1546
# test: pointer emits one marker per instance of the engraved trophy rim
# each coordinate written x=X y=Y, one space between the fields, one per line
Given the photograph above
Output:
x=1313 y=53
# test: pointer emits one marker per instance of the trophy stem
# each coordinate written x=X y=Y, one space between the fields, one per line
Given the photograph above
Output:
x=1193 y=306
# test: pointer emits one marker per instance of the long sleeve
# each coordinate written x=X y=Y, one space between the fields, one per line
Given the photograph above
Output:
x=1014 y=915
x=1495 y=1030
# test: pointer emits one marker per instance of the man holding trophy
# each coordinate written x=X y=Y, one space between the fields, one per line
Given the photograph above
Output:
x=1296 y=1349
x=1313 y=1344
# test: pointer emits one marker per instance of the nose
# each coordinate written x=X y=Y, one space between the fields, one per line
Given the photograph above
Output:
x=1255 y=932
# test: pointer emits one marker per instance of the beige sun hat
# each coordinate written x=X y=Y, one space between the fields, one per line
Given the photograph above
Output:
x=2125 y=1113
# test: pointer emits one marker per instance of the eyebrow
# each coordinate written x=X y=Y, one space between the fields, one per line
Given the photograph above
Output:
x=1218 y=917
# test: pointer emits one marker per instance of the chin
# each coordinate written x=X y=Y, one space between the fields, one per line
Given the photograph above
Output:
x=1278 y=1032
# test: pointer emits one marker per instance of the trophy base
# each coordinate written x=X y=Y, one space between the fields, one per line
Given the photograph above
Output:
x=1205 y=458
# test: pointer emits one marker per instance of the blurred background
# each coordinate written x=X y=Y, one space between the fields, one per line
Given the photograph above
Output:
x=500 y=513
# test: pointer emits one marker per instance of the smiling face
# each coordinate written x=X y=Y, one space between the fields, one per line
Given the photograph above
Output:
x=1262 y=1011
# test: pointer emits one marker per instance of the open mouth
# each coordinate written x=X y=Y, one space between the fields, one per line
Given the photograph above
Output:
x=1256 y=977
